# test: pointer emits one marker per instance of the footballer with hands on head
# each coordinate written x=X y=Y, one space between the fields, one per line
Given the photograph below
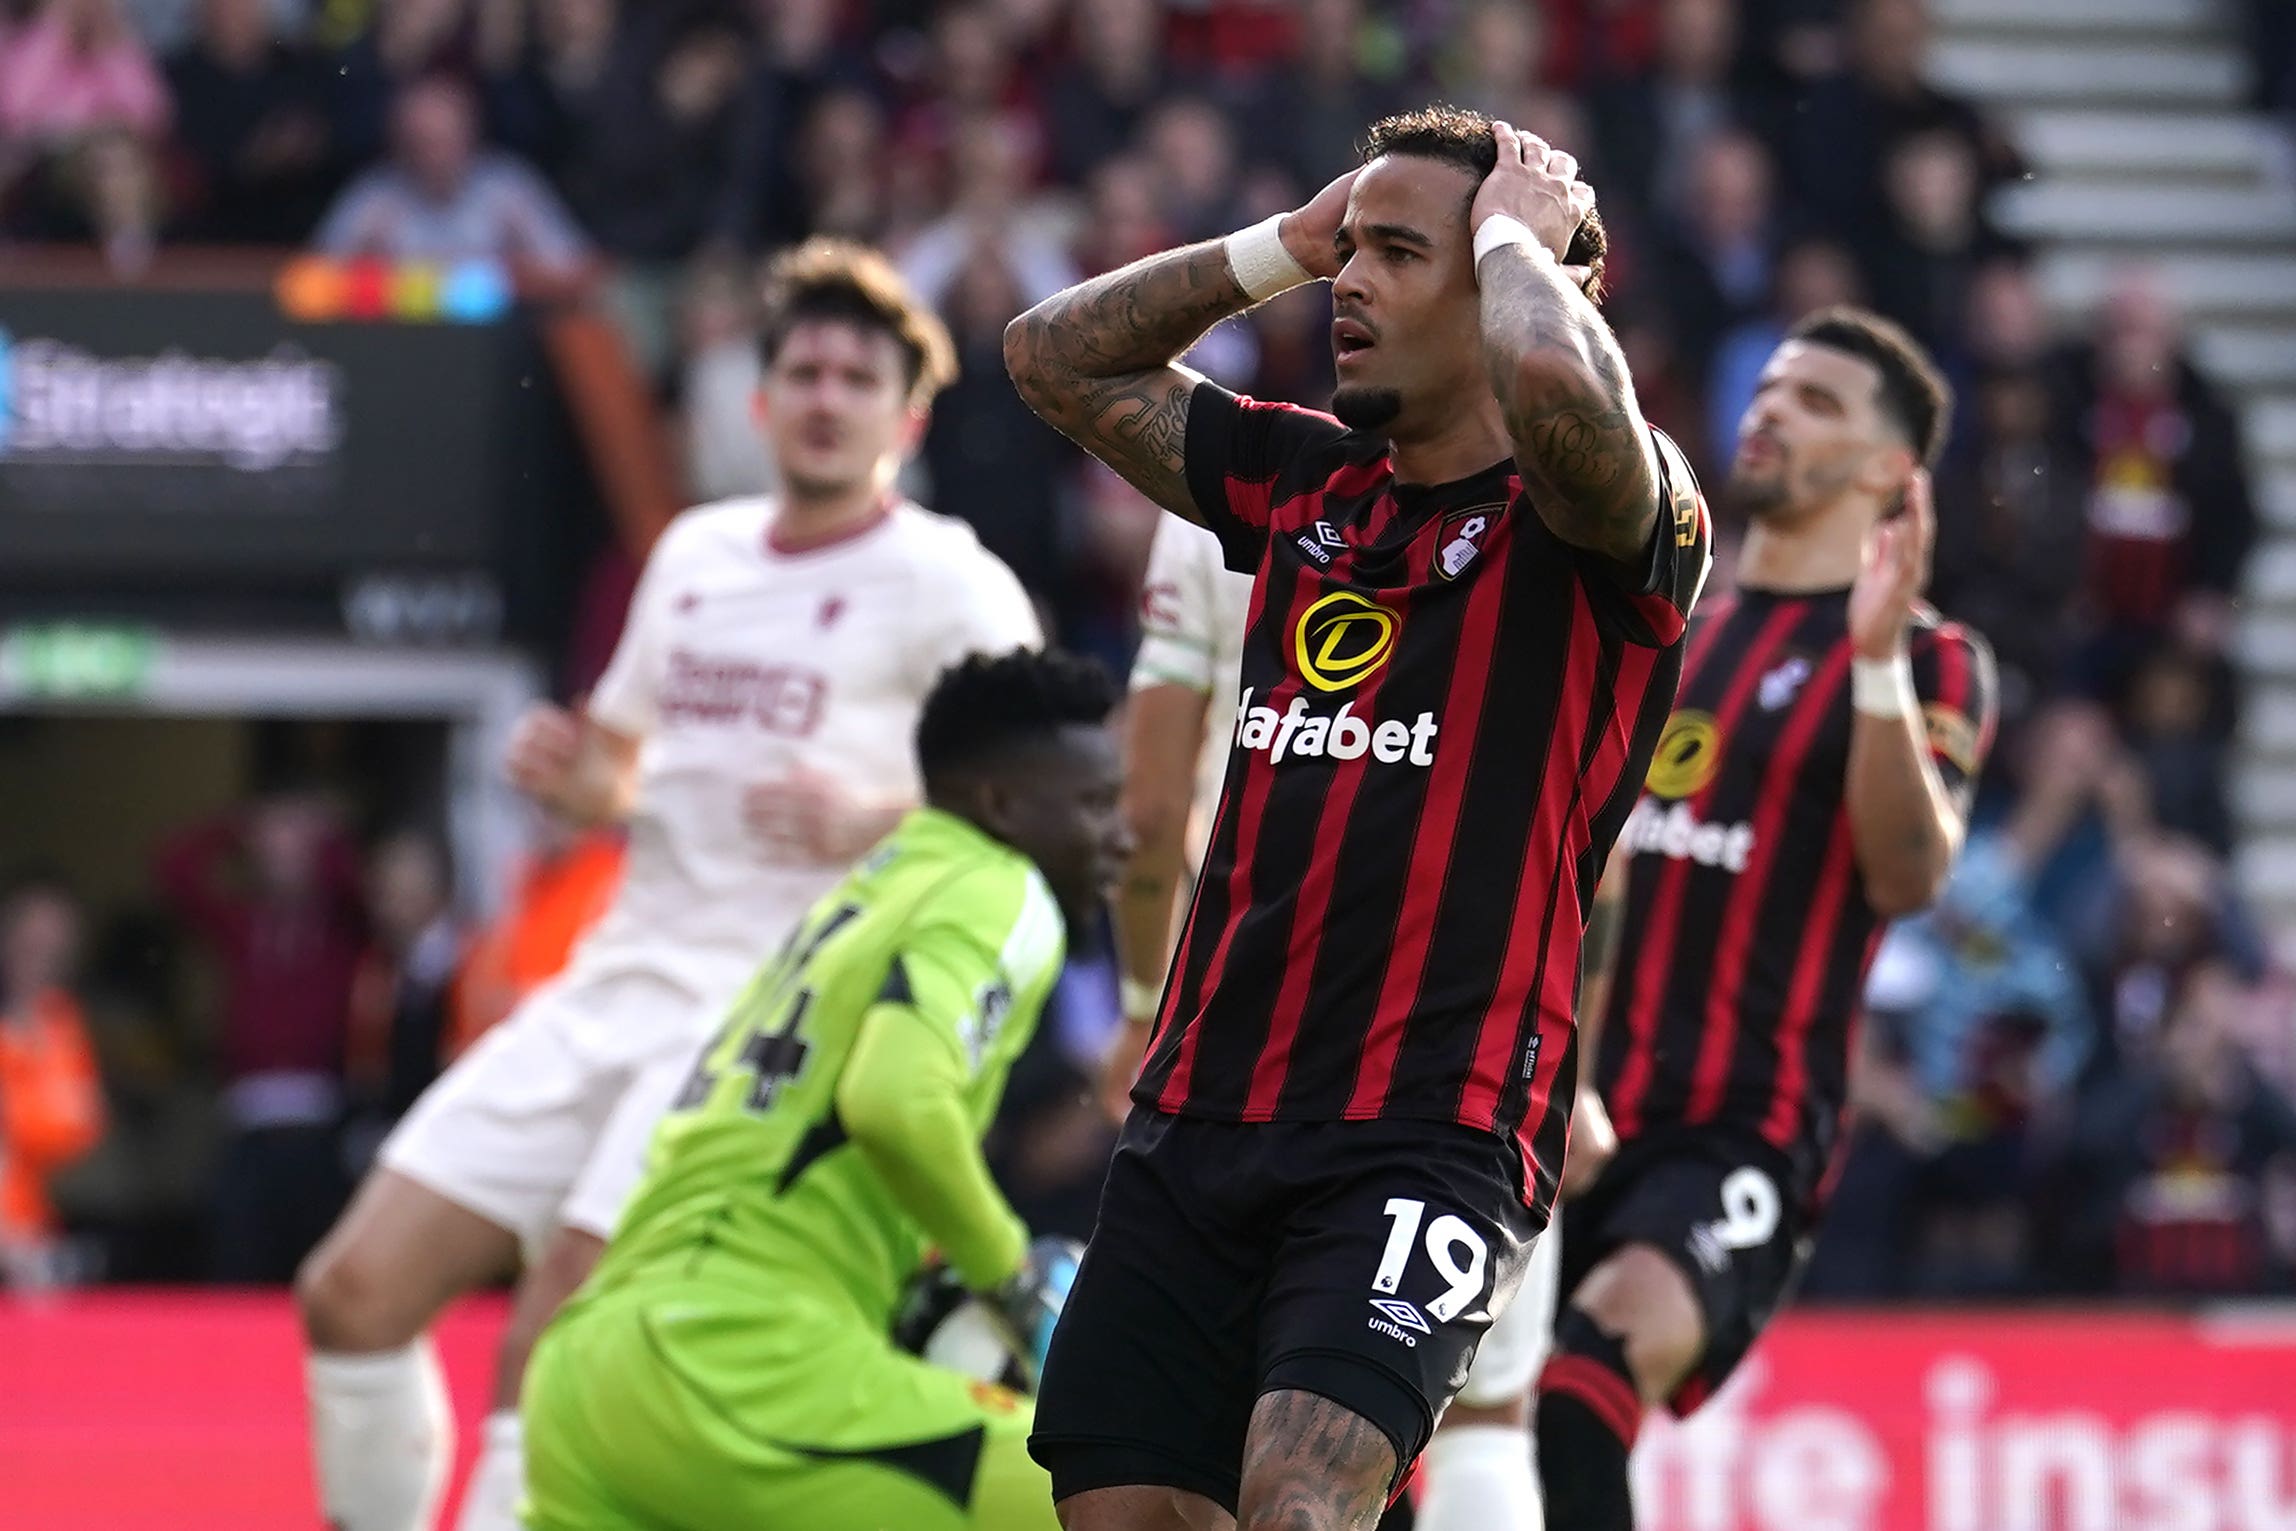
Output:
x=1472 y=581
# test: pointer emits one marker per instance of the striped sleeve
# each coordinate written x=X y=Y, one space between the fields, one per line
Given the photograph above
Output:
x=1953 y=675
x=1649 y=601
x=1237 y=448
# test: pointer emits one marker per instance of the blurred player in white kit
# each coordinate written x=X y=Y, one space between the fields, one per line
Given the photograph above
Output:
x=1178 y=726
x=754 y=728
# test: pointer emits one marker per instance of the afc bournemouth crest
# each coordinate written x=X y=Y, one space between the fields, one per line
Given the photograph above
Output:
x=1462 y=537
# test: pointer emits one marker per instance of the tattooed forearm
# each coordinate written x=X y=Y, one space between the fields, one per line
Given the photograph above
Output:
x=1098 y=361
x=1570 y=406
x=1311 y=1465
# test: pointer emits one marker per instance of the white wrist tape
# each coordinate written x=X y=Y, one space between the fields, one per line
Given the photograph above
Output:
x=1883 y=688
x=1500 y=229
x=1139 y=1001
x=1262 y=265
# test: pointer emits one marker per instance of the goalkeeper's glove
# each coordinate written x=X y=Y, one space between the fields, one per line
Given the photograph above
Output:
x=1029 y=1303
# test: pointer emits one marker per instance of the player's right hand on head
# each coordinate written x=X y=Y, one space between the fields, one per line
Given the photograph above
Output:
x=544 y=744
x=1309 y=231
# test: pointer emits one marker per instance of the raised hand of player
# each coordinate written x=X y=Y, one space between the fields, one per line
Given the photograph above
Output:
x=1895 y=573
x=545 y=742
x=1535 y=184
x=1308 y=233
x=808 y=818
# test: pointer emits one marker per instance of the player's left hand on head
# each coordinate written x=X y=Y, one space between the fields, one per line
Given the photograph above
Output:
x=1536 y=185
x=1895 y=572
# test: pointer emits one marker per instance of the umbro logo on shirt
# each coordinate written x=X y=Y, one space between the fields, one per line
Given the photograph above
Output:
x=1321 y=543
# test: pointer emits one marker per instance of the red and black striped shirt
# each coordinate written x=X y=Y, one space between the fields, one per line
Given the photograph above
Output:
x=1747 y=932
x=1445 y=713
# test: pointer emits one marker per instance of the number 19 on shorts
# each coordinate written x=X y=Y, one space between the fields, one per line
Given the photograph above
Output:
x=1455 y=1250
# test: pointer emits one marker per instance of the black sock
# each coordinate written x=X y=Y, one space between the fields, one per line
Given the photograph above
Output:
x=1588 y=1415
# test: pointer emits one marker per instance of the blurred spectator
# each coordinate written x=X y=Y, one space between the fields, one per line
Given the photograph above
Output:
x=442 y=198
x=2169 y=718
x=1651 y=125
x=1122 y=221
x=725 y=452
x=993 y=463
x=1712 y=266
x=840 y=182
x=658 y=156
x=558 y=894
x=51 y=1101
x=971 y=73
x=1496 y=58
x=2171 y=518
x=2271 y=28
x=75 y=68
x=275 y=893
x=2009 y=535
x=541 y=95
x=1923 y=258
x=804 y=57
x=1311 y=114
x=1192 y=147
x=398 y=1018
x=2165 y=1167
x=989 y=211
x=382 y=47
x=252 y=127
x=1840 y=136
x=1808 y=275
x=1095 y=101
x=1978 y=1028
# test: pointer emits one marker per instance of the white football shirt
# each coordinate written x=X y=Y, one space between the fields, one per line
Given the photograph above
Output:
x=1192 y=614
x=740 y=662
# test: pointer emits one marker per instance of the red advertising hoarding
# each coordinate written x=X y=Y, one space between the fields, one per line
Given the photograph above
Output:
x=141 y=1411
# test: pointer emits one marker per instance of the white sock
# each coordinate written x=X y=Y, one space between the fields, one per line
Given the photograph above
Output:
x=382 y=1437
x=1479 y=1478
x=498 y=1479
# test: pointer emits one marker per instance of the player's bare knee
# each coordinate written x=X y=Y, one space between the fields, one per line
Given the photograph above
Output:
x=1641 y=1296
x=345 y=1296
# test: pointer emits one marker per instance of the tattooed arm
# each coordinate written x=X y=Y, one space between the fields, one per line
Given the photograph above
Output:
x=1100 y=361
x=1561 y=380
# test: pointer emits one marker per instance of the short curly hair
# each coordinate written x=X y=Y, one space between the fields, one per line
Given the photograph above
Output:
x=1461 y=137
x=986 y=704
x=839 y=279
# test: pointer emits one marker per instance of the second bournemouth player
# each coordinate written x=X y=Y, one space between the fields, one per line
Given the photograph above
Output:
x=1813 y=782
x=1470 y=594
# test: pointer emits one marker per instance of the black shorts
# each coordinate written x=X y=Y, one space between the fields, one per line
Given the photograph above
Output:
x=1354 y=1260
x=1725 y=1207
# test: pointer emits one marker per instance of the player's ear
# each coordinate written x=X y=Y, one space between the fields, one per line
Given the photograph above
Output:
x=1884 y=475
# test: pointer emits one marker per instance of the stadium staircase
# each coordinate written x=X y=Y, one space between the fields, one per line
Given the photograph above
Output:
x=2133 y=117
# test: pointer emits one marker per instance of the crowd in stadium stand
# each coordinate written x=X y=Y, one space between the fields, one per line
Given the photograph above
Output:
x=2077 y=1067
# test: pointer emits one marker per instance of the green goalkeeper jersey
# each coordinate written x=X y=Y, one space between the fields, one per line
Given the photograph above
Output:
x=830 y=1136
